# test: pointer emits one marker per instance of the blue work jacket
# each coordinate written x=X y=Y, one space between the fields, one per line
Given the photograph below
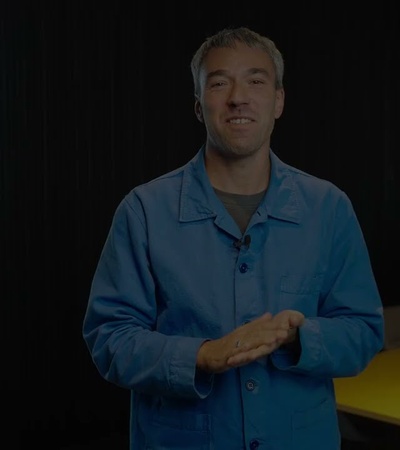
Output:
x=170 y=276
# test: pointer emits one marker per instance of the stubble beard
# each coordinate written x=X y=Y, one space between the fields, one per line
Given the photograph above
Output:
x=235 y=150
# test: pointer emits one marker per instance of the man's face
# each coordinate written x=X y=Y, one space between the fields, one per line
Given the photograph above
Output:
x=239 y=101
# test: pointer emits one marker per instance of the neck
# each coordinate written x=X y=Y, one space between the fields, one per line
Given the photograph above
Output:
x=246 y=176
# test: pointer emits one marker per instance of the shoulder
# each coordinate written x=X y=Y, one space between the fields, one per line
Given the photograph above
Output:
x=306 y=183
x=168 y=186
x=157 y=188
x=309 y=194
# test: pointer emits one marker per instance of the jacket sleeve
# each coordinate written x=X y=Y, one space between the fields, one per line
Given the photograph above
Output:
x=119 y=326
x=349 y=328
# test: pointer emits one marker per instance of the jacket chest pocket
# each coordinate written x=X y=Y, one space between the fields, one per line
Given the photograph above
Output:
x=301 y=292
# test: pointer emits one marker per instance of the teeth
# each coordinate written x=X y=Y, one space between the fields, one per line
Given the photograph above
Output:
x=239 y=121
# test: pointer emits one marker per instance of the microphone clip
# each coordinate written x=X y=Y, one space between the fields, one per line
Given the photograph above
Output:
x=245 y=241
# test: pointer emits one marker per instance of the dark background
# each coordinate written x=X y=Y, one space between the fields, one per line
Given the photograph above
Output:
x=97 y=97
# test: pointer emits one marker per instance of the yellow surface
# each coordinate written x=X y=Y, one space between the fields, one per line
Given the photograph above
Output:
x=375 y=392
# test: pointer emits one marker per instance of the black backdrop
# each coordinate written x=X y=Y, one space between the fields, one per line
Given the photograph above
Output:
x=97 y=97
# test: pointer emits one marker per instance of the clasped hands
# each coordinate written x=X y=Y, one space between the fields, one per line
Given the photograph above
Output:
x=250 y=341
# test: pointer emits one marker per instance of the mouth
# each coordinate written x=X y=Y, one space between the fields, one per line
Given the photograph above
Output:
x=239 y=120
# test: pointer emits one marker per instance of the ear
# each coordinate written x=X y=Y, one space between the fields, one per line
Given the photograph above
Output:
x=198 y=110
x=279 y=102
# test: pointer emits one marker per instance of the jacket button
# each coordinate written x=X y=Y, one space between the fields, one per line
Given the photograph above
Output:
x=254 y=444
x=250 y=385
x=243 y=267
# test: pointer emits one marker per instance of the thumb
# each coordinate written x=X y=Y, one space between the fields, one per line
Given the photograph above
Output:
x=296 y=319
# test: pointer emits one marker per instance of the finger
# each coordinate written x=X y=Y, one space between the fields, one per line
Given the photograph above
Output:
x=246 y=357
x=296 y=320
x=250 y=342
x=266 y=315
x=289 y=318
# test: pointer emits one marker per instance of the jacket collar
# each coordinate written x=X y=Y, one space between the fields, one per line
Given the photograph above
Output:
x=199 y=201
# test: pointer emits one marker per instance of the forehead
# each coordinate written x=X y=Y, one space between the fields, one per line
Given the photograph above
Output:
x=236 y=59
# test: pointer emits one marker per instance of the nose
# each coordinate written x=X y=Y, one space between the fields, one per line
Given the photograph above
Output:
x=237 y=95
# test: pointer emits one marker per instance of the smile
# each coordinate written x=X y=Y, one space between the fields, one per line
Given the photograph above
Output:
x=239 y=121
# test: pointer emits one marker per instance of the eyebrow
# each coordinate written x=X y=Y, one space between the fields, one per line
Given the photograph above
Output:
x=251 y=71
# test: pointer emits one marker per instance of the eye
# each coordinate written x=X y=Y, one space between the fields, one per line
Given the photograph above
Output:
x=216 y=84
x=257 y=81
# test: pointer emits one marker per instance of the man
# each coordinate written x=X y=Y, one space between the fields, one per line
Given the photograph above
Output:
x=232 y=290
